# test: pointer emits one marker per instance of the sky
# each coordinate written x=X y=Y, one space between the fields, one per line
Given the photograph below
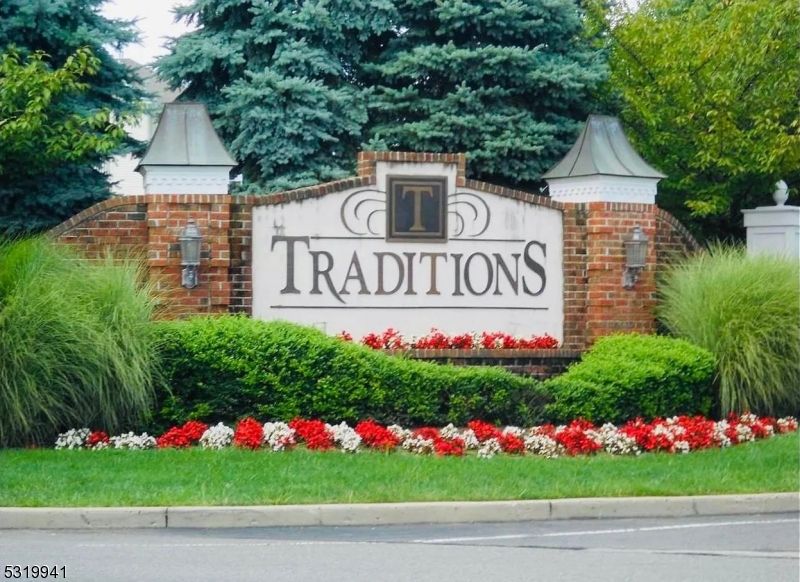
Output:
x=155 y=23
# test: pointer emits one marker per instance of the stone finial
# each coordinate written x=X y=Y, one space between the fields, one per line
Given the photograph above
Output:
x=781 y=193
x=186 y=155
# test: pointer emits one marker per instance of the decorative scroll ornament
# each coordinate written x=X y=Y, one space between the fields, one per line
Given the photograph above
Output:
x=470 y=215
x=363 y=213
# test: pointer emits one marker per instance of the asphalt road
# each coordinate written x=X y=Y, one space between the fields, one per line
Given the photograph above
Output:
x=729 y=549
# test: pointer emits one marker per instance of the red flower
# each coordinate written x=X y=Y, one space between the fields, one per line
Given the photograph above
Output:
x=574 y=439
x=376 y=436
x=512 y=444
x=445 y=448
x=437 y=340
x=249 y=434
x=483 y=430
x=314 y=433
x=180 y=437
x=428 y=433
x=173 y=438
x=194 y=429
x=96 y=438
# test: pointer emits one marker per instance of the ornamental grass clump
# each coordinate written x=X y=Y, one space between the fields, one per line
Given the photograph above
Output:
x=746 y=311
x=76 y=343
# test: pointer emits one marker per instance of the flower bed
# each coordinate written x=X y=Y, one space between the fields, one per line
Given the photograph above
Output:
x=680 y=434
x=391 y=339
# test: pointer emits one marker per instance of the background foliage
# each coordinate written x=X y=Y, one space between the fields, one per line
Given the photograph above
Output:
x=280 y=81
x=295 y=89
x=33 y=196
x=708 y=93
x=508 y=83
x=623 y=377
x=37 y=127
x=76 y=342
x=746 y=311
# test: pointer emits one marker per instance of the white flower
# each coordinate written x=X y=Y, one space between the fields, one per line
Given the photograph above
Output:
x=615 y=442
x=489 y=448
x=668 y=431
x=401 y=433
x=680 y=447
x=279 y=436
x=718 y=434
x=450 y=432
x=419 y=445
x=471 y=442
x=748 y=418
x=345 y=436
x=74 y=438
x=217 y=437
x=542 y=445
x=99 y=446
x=133 y=441
x=786 y=424
x=744 y=433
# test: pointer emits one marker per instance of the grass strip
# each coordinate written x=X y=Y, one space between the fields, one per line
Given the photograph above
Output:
x=49 y=478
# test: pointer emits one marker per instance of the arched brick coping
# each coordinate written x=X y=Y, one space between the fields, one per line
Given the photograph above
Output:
x=669 y=226
x=594 y=301
x=119 y=203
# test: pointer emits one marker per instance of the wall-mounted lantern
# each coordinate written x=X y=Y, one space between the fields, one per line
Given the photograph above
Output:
x=635 y=257
x=190 y=240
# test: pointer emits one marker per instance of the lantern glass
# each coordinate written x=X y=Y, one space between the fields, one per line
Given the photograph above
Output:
x=636 y=249
x=190 y=240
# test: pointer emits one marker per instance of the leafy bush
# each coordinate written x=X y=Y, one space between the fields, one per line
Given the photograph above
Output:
x=627 y=376
x=746 y=311
x=76 y=342
x=221 y=369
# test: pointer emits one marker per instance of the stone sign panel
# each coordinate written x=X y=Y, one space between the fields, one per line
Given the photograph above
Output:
x=411 y=252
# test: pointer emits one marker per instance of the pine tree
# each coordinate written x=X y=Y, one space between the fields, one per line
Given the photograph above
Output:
x=36 y=200
x=280 y=80
x=507 y=81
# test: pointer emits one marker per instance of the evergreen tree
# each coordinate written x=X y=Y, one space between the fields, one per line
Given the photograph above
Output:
x=32 y=198
x=509 y=82
x=279 y=78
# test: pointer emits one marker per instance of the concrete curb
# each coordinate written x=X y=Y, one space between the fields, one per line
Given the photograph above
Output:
x=393 y=513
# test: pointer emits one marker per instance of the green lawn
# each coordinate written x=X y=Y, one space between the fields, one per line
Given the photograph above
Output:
x=38 y=478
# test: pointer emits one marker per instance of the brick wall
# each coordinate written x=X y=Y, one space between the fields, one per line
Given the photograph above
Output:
x=539 y=364
x=150 y=226
x=595 y=302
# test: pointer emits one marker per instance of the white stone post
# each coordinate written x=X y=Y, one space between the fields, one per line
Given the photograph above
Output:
x=774 y=229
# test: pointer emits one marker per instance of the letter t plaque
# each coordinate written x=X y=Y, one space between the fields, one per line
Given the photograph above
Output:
x=417 y=208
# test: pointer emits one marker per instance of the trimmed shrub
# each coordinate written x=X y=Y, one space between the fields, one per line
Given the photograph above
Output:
x=76 y=342
x=628 y=376
x=225 y=368
x=746 y=311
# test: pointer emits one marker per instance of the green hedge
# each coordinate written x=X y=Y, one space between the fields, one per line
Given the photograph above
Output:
x=627 y=376
x=221 y=369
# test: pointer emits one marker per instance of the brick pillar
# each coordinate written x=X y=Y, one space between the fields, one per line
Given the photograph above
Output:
x=167 y=215
x=603 y=176
x=610 y=308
